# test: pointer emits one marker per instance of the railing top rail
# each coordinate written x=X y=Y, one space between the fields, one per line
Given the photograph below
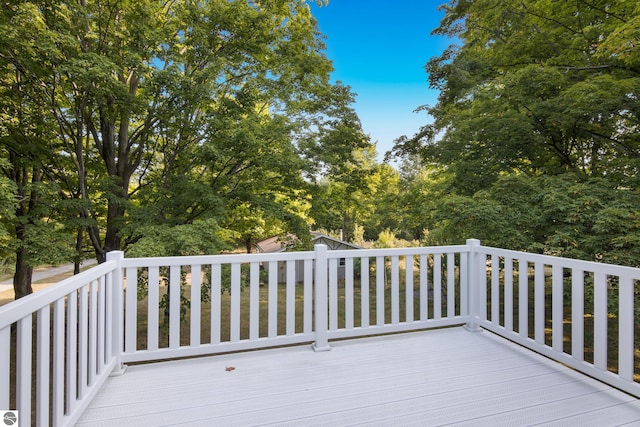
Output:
x=284 y=256
x=17 y=310
x=215 y=259
x=359 y=253
x=551 y=260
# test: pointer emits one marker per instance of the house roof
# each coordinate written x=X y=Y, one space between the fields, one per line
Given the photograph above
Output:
x=331 y=242
x=271 y=245
x=274 y=244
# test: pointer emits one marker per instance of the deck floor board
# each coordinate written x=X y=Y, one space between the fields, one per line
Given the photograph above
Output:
x=439 y=377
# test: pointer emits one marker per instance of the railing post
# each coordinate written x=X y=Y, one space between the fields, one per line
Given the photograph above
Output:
x=321 y=301
x=117 y=311
x=472 y=284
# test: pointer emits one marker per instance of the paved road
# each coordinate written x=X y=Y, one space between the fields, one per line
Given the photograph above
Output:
x=41 y=274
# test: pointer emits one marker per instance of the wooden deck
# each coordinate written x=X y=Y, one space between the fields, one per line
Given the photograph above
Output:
x=439 y=377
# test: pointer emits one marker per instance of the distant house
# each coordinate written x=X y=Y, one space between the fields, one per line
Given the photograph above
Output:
x=274 y=244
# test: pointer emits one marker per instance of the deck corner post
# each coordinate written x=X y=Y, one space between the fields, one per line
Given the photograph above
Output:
x=117 y=315
x=321 y=342
x=472 y=286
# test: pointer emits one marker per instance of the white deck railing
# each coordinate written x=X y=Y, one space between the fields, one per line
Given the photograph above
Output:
x=142 y=309
x=62 y=343
x=603 y=294
x=285 y=291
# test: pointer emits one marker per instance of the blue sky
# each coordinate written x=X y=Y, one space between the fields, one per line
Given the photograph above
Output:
x=379 y=48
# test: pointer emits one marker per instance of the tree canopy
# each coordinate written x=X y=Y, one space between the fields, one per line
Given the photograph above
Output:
x=535 y=131
x=128 y=123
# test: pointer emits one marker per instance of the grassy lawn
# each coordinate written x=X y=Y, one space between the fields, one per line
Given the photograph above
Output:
x=225 y=313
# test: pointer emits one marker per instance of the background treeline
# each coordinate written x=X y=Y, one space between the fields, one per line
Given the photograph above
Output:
x=187 y=127
x=535 y=143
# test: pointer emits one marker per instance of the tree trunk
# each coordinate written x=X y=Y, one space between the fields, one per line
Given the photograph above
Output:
x=22 y=276
x=115 y=214
x=78 y=260
x=26 y=207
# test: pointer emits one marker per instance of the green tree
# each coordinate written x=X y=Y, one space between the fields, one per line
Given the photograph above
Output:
x=345 y=196
x=534 y=137
x=237 y=144
x=137 y=88
x=564 y=215
x=29 y=148
x=537 y=87
x=142 y=121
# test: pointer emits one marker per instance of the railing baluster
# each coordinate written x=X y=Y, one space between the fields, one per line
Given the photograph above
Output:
x=600 y=320
x=43 y=369
x=557 y=307
x=348 y=292
x=254 y=302
x=482 y=291
x=380 y=285
x=72 y=350
x=577 y=314
x=451 y=285
x=424 y=287
x=495 y=289
x=83 y=345
x=174 y=306
x=539 y=315
x=216 y=302
x=409 y=289
x=58 y=361
x=523 y=298
x=5 y=364
x=235 y=302
x=364 y=292
x=308 y=296
x=101 y=324
x=437 y=286
x=395 y=290
x=333 y=294
x=291 y=298
x=273 y=299
x=93 y=331
x=508 y=293
x=625 y=329
x=24 y=349
x=464 y=280
x=153 y=308
x=195 y=305
x=131 y=299
x=110 y=314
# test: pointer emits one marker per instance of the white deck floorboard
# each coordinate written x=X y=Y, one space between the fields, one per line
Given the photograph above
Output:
x=440 y=377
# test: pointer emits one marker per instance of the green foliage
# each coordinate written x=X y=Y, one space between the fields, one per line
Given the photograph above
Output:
x=155 y=124
x=8 y=206
x=537 y=87
x=566 y=215
x=388 y=239
x=346 y=196
x=198 y=238
x=534 y=144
